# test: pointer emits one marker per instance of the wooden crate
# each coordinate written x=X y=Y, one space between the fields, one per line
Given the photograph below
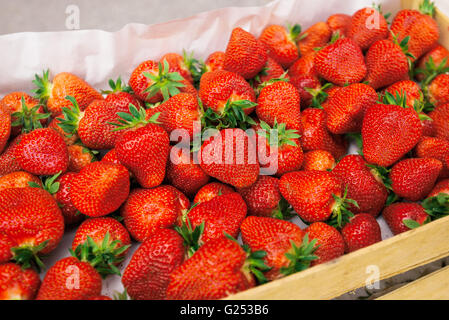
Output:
x=391 y=257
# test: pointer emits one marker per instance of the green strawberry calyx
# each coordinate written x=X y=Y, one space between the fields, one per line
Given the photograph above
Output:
x=70 y=117
x=29 y=255
x=50 y=184
x=196 y=67
x=117 y=86
x=437 y=207
x=382 y=175
x=413 y=224
x=262 y=85
x=136 y=118
x=319 y=95
x=29 y=119
x=341 y=214
x=232 y=116
x=44 y=86
x=165 y=82
x=283 y=211
x=300 y=257
x=191 y=236
x=293 y=32
x=284 y=136
x=431 y=70
x=428 y=8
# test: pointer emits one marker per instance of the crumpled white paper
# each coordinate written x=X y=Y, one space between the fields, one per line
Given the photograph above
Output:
x=97 y=55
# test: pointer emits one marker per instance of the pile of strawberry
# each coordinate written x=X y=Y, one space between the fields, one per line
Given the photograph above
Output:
x=113 y=165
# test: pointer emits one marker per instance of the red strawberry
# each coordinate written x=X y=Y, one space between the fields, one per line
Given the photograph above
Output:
x=441 y=187
x=400 y=217
x=42 y=152
x=148 y=210
x=367 y=26
x=215 y=61
x=410 y=89
x=347 y=108
x=18 y=284
x=99 y=298
x=69 y=138
x=437 y=91
x=435 y=58
x=271 y=71
x=179 y=64
x=304 y=66
x=6 y=244
x=310 y=90
x=212 y=190
x=317 y=36
x=440 y=117
x=341 y=63
x=119 y=95
x=244 y=54
x=79 y=157
x=64 y=84
x=362 y=231
x=100 y=188
x=222 y=214
x=280 y=102
x=363 y=185
x=70 y=279
x=148 y=273
x=5 y=128
x=389 y=132
x=339 y=23
x=231 y=157
x=435 y=148
x=288 y=251
x=386 y=63
x=62 y=196
x=111 y=156
x=329 y=241
x=8 y=162
x=318 y=160
x=281 y=43
x=413 y=179
x=264 y=199
x=183 y=173
x=18 y=179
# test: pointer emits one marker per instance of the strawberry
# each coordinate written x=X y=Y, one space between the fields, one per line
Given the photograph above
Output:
x=410 y=89
x=270 y=72
x=435 y=60
x=100 y=298
x=264 y=199
x=42 y=152
x=288 y=250
x=111 y=156
x=64 y=84
x=440 y=117
x=5 y=128
x=341 y=63
x=339 y=23
x=310 y=90
x=387 y=63
x=222 y=214
x=317 y=36
x=218 y=269
x=79 y=157
x=99 y=188
x=363 y=185
x=183 y=173
x=440 y=187
x=215 y=61
x=316 y=196
x=281 y=43
x=280 y=102
x=62 y=195
x=413 y=179
x=6 y=244
x=401 y=217
x=119 y=95
x=329 y=241
x=212 y=190
x=8 y=161
x=244 y=54
x=437 y=91
x=18 y=179
x=148 y=273
x=178 y=64
x=18 y=284
x=316 y=135
x=419 y=26
x=318 y=160
x=368 y=26
x=32 y=219
x=230 y=156
x=70 y=279
x=148 y=210
x=143 y=147
x=69 y=138
x=435 y=148
x=104 y=241
x=347 y=108
x=362 y=231
x=304 y=66
x=389 y=132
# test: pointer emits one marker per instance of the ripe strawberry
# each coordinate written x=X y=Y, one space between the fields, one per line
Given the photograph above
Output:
x=347 y=108
x=212 y=190
x=111 y=156
x=183 y=173
x=178 y=64
x=271 y=71
x=433 y=61
x=215 y=61
x=231 y=157
x=64 y=84
x=317 y=36
x=5 y=128
x=441 y=187
x=281 y=43
x=310 y=90
x=222 y=214
x=316 y=136
x=100 y=188
x=100 y=298
x=304 y=66
x=8 y=162
x=389 y=132
x=363 y=185
x=18 y=179
x=435 y=148
x=18 y=284
x=218 y=269
x=341 y=63
x=264 y=199
x=440 y=117
x=288 y=250
x=6 y=244
x=62 y=195
x=437 y=91
x=413 y=179
x=42 y=152
x=79 y=157
x=339 y=23
x=387 y=63
x=143 y=148
x=148 y=210
x=69 y=138
x=329 y=241
x=280 y=102
x=148 y=273
x=401 y=217
x=368 y=26
x=318 y=160
x=419 y=26
x=410 y=89
x=245 y=55
x=362 y=231
x=119 y=95
x=316 y=196
x=33 y=220
x=70 y=279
